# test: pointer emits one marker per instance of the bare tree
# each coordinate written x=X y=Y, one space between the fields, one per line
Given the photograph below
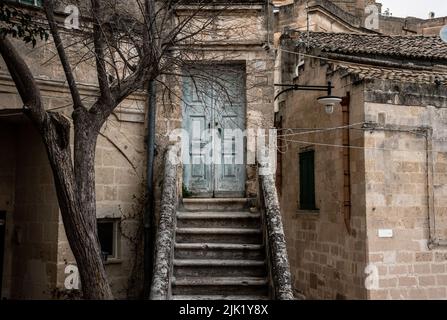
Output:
x=131 y=42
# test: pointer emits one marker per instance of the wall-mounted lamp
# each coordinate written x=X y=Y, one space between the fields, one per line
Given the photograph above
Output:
x=329 y=101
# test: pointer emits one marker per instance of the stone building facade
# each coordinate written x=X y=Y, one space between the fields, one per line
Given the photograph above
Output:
x=412 y=26
x=37 y=256
x=321 y=15
x=378 y=226
x=350 y=16
x=248 y=48
x=36 y=249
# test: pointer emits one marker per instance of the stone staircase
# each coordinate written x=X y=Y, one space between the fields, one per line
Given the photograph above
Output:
x=219 y=252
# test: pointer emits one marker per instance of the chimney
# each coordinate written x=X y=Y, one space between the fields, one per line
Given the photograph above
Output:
x=431 y=15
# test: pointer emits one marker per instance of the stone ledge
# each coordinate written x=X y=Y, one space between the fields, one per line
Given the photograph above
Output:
x=308 y=213
x=130 y=115
x=113 y=261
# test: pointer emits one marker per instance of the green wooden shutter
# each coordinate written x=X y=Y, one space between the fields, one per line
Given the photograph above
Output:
x=307 y=180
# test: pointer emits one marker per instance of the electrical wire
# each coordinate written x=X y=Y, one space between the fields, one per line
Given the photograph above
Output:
x=411 y=131
x=344 y=146
x=320 y=130
x=311 y=143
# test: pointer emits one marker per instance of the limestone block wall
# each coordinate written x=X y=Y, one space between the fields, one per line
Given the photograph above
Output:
x=348 y=16
x=397 y=185
x=296 y=16
x=432 y=26
x=351 y=6
x=396 y=26
x=7 y=194
x=120 y=193
x=120 y=174
x=411 y=26
x=405 y=183
x=326 y=261
x=35 y=229
x=281 y=2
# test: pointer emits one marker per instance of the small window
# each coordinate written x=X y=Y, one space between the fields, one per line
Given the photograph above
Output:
x=108 y=234
x=307 y=180
x=37 y=3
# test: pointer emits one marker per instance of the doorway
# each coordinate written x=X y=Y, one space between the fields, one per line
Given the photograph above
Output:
x=2 y=245
x=214 y=119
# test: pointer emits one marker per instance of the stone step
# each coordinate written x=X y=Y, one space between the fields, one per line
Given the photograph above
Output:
x=218 y=297
x=219 y=268
x=220 y=286
x=219 y=251
x=218 y=219
x=219 y=235
x=219 y=204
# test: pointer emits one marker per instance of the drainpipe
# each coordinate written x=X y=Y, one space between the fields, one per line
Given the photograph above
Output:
x=346 y=163
x=149 y=212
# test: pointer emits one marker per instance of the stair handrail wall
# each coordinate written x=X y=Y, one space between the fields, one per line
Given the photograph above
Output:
x=164 y=243
x=275 y=241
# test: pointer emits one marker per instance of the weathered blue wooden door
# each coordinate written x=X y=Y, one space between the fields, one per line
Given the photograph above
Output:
x=197 y=118
x=214 y=117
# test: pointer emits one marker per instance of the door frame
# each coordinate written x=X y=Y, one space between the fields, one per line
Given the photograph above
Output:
x=2 y=245
x=240 y=65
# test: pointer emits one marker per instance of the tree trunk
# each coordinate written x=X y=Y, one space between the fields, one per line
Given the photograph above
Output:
x=85 y=138
x=77 y=204
x=75 y=188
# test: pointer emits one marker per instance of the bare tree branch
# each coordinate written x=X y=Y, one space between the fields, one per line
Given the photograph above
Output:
x=49 y=11
x=98 y=40
x=24 y=80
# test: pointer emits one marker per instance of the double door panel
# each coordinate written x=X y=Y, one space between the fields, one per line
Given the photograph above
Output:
x=214 y=118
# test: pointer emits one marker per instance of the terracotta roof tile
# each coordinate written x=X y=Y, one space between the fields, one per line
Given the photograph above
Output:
x=401 y=75
x=425 y=47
